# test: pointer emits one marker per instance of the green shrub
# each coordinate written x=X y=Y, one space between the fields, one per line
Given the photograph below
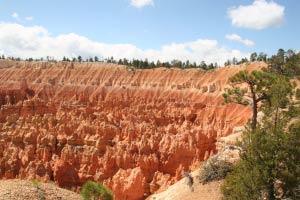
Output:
x=297 y=94
x=39 y=191
x=214 y=169
x=93 y=191
x=36 y=183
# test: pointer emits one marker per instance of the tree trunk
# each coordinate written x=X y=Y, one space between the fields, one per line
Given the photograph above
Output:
x=254 y=108
x=271 y=192
x=254 y=116
x=276 y=118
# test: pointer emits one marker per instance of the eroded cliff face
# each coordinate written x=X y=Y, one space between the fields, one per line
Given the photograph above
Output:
x=136 y=131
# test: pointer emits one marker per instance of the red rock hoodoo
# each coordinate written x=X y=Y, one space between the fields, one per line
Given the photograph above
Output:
x=136 y=131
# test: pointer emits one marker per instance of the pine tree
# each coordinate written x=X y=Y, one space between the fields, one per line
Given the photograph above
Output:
x=79 y=58
x=262 y=57
x=253 y=57
x=93 y=191
x=270 y=165
x=270 y=161
x=257 y=83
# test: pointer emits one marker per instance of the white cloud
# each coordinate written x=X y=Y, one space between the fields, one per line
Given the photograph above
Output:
x=29 y=18
x=35 y=41
x=141 y=3
x=237 y=38
x=259 y=15
x=15 y=15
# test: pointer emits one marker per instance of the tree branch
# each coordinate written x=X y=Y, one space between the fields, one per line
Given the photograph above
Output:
x=263 y=97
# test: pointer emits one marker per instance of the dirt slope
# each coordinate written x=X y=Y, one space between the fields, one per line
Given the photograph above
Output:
x=25 y=190
x=181 y=191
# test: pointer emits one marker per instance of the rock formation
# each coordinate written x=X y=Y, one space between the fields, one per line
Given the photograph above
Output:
x=136 y=131
x=15 y=189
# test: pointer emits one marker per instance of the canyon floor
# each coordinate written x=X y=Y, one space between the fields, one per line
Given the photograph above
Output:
x=135 y=131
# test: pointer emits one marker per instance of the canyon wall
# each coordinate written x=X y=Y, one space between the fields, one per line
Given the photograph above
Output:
x=136 y=131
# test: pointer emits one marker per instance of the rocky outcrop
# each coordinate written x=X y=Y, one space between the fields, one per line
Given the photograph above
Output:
x=136 y=131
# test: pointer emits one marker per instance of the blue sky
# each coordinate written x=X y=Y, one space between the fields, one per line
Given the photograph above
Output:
x=152 y=24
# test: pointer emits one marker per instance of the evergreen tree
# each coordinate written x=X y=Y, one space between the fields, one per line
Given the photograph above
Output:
x=187 y=64
x=194 y=65
x=262 y=57
x=125 y=61
x=227 y=63
x=253 y=57
x=285 y=63
x=152 y=65
x=203 y=65
x=281 y=55
x=210 y=66
x=146 y=64
x=243 y=60
x=234 y=61
x=79 y=58
x=158 y=64
x=270 y=161
x=257 y=83
x=120 y=62
x=292 y=64
x=93 y=191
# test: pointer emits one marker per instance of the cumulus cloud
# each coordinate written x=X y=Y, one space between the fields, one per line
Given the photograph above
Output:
x=141 y=3
x=237 y=38
x=259 y=15
x=15 y=15
x=35 y=41
x=29 y=18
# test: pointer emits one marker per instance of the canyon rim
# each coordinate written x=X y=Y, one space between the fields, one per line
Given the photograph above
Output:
x=136 y=131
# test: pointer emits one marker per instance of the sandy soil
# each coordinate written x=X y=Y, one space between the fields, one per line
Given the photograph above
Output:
x=181 y=191
x=25 y=190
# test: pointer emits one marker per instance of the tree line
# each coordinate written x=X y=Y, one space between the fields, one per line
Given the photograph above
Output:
x=145 y=64
x=136 y=63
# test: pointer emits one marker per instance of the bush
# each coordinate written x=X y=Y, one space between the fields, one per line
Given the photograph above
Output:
x=214 y=169
x=298 y=94
x=35 y=183
x=270 y=165
x=39 y=191
x=93 y=191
